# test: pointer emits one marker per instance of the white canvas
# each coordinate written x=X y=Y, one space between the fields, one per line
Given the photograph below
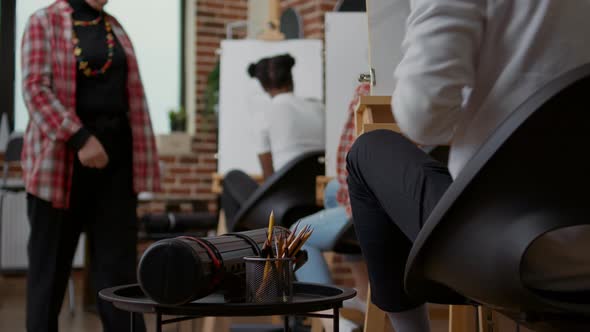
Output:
x=346 y=58
x=387 y=26
x=242 y=100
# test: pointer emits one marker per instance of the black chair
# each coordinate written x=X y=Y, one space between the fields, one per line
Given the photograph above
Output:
x=12 y=154
x=528 y=179
x=157 y=226
x=289 y=192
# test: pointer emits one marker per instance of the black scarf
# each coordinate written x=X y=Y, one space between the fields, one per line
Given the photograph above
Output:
x=82 y=10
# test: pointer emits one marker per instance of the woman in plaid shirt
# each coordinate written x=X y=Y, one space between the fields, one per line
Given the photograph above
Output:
x=89 y=149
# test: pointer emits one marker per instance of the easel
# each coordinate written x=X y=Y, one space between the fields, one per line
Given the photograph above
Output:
x=271 y=33
x=373 y=113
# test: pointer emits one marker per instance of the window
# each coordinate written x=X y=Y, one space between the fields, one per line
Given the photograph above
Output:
x=155 y=28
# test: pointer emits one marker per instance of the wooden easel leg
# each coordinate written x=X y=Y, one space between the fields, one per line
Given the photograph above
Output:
x=216 y=324
x=316 y=325
x=375 y=318
x=221 y=225
x=487 y=319
x=461 y=318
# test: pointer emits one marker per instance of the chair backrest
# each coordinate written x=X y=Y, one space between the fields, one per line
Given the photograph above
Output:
x=289 y=192
x=12 y=153
x=14 y=147
x=529 y=178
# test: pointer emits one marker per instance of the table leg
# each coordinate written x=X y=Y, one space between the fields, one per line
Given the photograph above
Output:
x=286 y=323
x=132 y=322
x=158 y=322
x=336 y=319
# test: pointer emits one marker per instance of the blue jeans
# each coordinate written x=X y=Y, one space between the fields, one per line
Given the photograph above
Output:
x=327 y=225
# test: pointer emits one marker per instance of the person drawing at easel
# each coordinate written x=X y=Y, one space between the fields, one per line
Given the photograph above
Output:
x=291 y=126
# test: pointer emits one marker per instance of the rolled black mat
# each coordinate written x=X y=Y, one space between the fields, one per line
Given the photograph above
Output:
x=183 y=269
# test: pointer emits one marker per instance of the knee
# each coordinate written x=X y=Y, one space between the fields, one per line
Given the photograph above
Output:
x=365 y=144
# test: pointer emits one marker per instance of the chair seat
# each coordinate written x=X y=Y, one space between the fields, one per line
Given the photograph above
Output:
x=524 y=183
x=559 y=261
x=289 y=192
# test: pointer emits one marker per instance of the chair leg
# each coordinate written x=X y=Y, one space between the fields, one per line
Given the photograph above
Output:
x=72 y=296
x=190 y=326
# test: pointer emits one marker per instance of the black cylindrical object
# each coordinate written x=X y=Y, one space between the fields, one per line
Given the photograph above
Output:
x=178 y=222
x=183 y=269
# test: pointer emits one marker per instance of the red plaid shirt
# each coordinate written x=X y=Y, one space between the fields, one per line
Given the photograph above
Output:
x=346 y=140
x=49 y=85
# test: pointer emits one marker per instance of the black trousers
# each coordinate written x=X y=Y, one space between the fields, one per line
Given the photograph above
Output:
x=393 y=187
x=103 y=205
x=237 y=188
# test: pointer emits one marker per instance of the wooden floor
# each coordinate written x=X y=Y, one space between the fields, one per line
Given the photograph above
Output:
x=12 y=313
x=12 y=310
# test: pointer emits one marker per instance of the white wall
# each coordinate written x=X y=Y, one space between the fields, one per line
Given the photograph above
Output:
x=346 y=58
x=154 y=29
x=24 y=9
x=242 y=100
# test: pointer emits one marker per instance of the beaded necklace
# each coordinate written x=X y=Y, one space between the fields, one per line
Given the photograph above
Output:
x=110 y=39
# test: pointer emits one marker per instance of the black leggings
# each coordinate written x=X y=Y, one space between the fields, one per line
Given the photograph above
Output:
x=393 y=187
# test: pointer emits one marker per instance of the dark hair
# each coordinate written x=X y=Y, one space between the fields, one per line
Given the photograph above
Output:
x=274 y=72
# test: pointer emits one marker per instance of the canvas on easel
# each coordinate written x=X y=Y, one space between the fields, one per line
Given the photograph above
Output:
x=347 y=56
x=387 y=27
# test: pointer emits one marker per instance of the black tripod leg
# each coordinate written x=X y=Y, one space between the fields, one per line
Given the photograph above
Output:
x=158 y=322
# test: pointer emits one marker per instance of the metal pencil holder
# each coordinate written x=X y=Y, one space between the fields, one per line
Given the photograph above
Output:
x=269 y=280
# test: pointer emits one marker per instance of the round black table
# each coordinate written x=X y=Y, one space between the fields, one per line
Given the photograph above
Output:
x=308 y=298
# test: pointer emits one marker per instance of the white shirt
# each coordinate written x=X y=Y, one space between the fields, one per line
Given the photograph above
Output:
x=291 y=127
x=503 y=50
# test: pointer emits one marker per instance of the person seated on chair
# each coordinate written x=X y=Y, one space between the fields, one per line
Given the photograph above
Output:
x=330 y=224
x=503 y=52
x=291 y=127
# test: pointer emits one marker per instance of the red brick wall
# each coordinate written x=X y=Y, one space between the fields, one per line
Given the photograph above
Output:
x=212 y=17
x=312 y=14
